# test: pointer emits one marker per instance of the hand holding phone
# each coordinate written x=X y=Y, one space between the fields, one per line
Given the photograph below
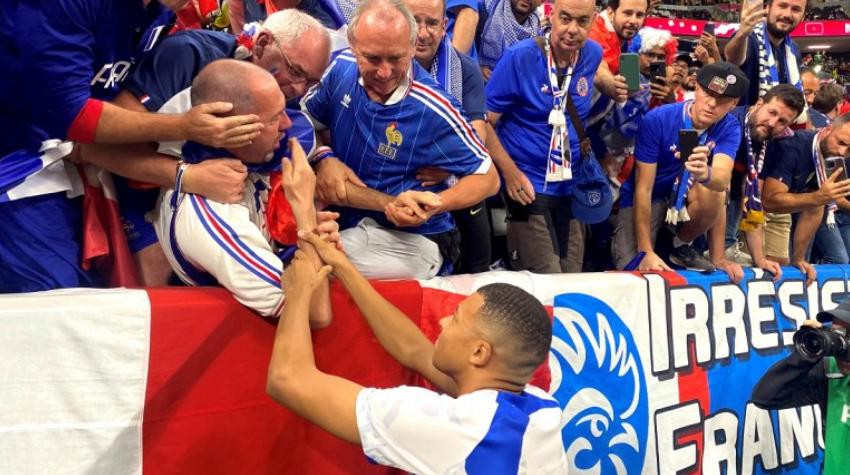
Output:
x=630 y=69
x=830 y=164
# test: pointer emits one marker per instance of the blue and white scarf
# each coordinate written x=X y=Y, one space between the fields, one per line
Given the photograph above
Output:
x=820 y=172
x=768 y=71
x=678 y=210
x=447 y=70
x=503 y=31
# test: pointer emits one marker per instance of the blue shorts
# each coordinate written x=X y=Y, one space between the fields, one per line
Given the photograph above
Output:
x=134 y=204
x=40 y=244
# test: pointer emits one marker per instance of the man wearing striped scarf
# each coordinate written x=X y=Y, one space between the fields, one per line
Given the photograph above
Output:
x=763 y=48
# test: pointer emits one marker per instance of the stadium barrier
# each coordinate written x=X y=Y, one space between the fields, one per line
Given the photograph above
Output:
x=654 y=372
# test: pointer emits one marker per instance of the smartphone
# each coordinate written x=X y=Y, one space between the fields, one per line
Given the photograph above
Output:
x=688 y=141
x=831 y=164
x=630 y=69
x=708 y=28
x=686 y=46
x=657 y=70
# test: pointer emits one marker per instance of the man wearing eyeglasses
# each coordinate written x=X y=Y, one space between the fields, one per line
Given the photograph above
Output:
x=386 y=118
x=291 y=45
x=458 y=75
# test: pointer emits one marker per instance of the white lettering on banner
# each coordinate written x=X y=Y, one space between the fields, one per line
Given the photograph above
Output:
x=719 y=453
x=727 y=320
x=668 y=422
x=798 y=428
x=845 y=414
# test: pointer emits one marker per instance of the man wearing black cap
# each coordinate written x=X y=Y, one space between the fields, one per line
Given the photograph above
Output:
x=795 y=381
x=796 y=181
x=653 y=190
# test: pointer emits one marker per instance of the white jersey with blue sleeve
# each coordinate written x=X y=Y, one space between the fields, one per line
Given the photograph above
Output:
x=484 y=432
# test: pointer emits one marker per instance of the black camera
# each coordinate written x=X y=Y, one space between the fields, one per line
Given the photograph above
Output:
x=815 y=343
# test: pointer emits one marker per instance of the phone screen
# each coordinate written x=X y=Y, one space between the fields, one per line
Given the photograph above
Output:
x=630 y=69
x=709 y=28
x=688 y=141
x=831 y=164
x=657 y=70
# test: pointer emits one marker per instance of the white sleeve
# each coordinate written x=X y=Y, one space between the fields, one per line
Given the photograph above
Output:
x=420 y=431
x=221 y=240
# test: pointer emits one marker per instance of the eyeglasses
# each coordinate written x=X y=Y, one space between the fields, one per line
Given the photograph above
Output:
x=431 y=25
x=297 y=74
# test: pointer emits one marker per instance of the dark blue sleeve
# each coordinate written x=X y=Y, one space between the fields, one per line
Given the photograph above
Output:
x=60 y=44
x=648 y=142
x=166 y=70
x=502 y=89
x=780 y=161
x=473 y=89
x=458 y=5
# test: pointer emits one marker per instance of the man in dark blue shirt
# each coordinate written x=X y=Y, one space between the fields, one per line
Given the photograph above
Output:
x=761 y=123
x=796 y=182
x=763 y=48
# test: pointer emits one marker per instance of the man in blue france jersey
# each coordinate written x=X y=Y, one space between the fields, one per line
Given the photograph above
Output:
x=63 y=59
x=460 y=76
x=521 y=100
x=387 y=118
x=209 y=242
x=488 y=421
x=293 y=46
x=796 y=182
x=684 y=189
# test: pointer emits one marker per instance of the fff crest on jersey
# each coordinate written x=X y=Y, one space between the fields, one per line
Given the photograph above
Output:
x=394 y=139
x=581 y=86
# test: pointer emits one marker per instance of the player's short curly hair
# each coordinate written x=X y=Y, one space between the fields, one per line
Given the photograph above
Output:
x=520 y=319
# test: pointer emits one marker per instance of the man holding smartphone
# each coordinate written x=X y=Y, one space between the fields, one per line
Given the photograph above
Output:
x=797 y=182
x=653 y=190
x=763 y=47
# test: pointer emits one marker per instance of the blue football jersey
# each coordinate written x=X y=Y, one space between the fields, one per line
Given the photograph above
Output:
x=385 y=144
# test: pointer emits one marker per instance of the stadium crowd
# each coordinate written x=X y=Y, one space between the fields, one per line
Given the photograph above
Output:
x=443 y=156
x=408 y=139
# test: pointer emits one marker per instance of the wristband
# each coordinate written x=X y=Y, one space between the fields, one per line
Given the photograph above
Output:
x=707 y=178
x=320 y=154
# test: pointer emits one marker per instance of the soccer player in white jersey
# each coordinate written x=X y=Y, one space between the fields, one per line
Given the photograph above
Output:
x=489 y=421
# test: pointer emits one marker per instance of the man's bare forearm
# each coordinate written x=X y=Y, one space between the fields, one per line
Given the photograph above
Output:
x=365 y=198
x=138 y=162
x=470 y=190
x=119 y=125
x=466 y=23
x=736 y=49
x=804 y=233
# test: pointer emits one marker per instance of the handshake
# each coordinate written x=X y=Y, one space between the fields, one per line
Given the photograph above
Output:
x=413 y=208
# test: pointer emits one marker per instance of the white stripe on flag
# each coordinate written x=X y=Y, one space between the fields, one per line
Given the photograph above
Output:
x=74 y=371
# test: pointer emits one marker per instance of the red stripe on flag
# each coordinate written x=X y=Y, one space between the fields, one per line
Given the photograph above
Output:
x=693 y=386
x=206 y=410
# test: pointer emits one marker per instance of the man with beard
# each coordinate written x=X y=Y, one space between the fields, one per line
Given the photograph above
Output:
x=459 y=75
x=689 y=190
x=763 y=47
x=508 y=22
x=768 y=118
x=796 y=182
x=615 y=27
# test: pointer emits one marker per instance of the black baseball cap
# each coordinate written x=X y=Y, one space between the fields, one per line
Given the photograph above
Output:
x=842 y=312
x=724 y=79
x=686 y=57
